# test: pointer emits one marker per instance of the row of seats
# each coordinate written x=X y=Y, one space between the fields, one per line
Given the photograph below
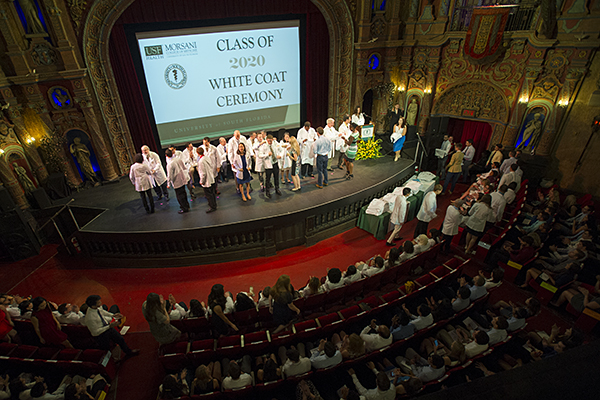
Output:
x=70 y=361
x=174 y=356
x=260 y=391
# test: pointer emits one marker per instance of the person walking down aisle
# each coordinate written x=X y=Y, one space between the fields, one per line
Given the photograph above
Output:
x=241 y=164
x=398 y=215
x=454 y=169
x=178 y=177
x=427 y=211
x=351 y=149
x=398 y=137
x=141 y=177
x=322 y=148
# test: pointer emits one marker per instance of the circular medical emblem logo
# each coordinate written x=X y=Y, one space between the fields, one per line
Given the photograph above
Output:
x=175 y=76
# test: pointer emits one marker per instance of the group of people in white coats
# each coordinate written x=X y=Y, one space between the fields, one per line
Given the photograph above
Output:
x=292 y=158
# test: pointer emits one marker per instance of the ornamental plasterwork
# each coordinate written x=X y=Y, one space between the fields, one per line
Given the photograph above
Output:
x=479 y=96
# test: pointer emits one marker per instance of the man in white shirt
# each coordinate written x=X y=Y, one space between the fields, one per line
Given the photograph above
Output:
x=499 y=202
x=376 y=266
x=505 y=167
x=101 y=324
x=478 y=345
x=510 y=194
x=424 y=319
x=332 y=134
x=295 y=364
x=39 y=390
x=398 y=215
x=498 y=332
x=452 y=220
x=152 y=160
x=343 y=133
x=69 y=314
x=178 y=177
x=379 y=337
x=270 y=153
x=306 y=137
x=236 y=376
x=427 y=211
x=384 y=390
x=223 y=161
x=469 y=151
x=426 y=370
x=325 y=356
x=445 y=147
x=478 y=289
x=206 y=171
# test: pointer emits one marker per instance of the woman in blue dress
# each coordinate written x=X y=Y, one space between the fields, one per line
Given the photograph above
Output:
x=398 y=136
x=242 y=165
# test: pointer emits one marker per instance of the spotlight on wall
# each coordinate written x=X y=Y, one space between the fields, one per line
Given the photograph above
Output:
x=30 y=140
x=563 y=103
x=524 y=99
x=400 y=88
x=428 y=91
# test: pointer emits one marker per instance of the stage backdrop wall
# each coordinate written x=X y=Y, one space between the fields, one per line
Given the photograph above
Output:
x=316 y=55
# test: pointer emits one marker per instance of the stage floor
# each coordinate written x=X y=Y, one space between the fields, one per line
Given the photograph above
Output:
x=124 y=211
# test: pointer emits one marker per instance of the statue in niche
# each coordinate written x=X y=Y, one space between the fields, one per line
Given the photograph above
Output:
x=24 y=180
x=34 y=24
x=411 y=112
x=82 y=154
x=532 y=132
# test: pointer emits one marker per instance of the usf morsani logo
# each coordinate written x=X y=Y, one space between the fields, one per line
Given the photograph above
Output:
x=175 y=76
x=153 y=50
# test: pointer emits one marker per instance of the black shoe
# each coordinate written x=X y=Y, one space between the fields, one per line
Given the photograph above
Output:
x=268 y=194
x=182 y=211
x=398 y=238
x=390 y=244
x=278 y=192
x=210 y=210
x=159 y=197
x=132 y=353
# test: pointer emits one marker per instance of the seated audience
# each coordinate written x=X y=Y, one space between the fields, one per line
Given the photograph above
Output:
x=267 y=369
x=281 y=303
x=511 y=193
x=314 y=287
x=376 y=266
x=423 y=320
x=197 y=309
x=351 y=275
x=462 y=300
x=325 y=355
x=334 y=279
x=294 y=364
x=69 y=314
x=426 y=370
x=376 y=336
x=46 y=326
x=217 y=300
x=498 y=331
x=206 y=379
x=236 y=376
x=174 y=386
x=580 y=297
x=408 y=251
x=384 y=390
x=401 y=326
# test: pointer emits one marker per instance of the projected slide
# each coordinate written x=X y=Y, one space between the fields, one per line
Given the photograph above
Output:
x=211 y=81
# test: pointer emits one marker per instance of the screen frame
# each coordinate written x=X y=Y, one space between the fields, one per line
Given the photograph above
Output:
x=134 y=49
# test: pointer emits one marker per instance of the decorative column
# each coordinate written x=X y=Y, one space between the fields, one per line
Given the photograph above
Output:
x=106 y=164
x=16 y=118
x=15 y=44
x=66 y=50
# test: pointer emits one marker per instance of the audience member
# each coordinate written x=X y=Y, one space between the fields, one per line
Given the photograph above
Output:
x=376 y=336
x=221 y=324
x=423 y=320
x=158 y=319
x=325 y=355
x=207 y=379
x=236 y=376
x=282 y=305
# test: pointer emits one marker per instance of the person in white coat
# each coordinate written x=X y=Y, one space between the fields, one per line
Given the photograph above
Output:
x=159 y=176
x=187 y=161
x=212 y=152
x=259 y=166
x=306 y=137
x=232 y=149
x=224 y=162
x=178 y=176
x=332 y=134
x=358 y=117
x=427 y=211
x=344 y=132
x=206 y=171
x=398 y=215
x=453 y=218
x=141 y=177
x=285 y=163
x=241 y=165
x=271 y=153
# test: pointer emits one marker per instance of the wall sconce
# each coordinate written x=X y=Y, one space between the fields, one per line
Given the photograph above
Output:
x=524 y=99
x=30 y=140
x=563 y=103
x=428 y=91
x=1 y=152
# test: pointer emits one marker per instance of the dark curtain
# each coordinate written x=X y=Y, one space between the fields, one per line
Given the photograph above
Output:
x=455 y=128
x=316 y=57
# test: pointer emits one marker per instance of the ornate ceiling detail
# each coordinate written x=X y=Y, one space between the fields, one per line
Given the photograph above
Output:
x=481 y=98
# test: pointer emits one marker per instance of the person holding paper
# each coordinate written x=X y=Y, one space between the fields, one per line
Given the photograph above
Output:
x=399 y=136
x=358 y=117
x=442 y=155
x=398 y=215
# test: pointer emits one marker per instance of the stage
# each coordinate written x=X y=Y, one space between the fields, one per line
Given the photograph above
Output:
x=122 y=234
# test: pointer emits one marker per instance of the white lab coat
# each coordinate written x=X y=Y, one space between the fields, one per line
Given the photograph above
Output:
x=141 y=177
x=237 y=164
x=332 y=135
x=343 y=133
x=284 y=161
x=498 y=205
x=152 y=160
x=427 y=210
x=212 y=153
x=190 y=160
x=260 y=162
x=177 y=154
x=452 y=220
x=206 y=171
x=222 y=153
x=232 y=148
x=399 y=213
x=177 y=173
x=264 y=151
x=306 y=153
x=358 y=119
